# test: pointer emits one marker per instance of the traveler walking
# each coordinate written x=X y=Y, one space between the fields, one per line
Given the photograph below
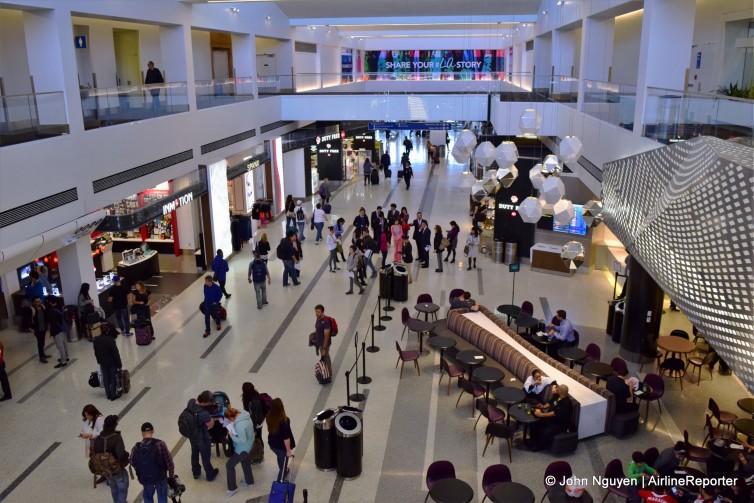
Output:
x=340 y=230
x=301 y=219
x=408 y=145
x=4 y=383
x=472 y=243
x=258 y=274
x=153 y=464
x=220 y=268
x=39 y=324
x=370 y=247
x=333 y=242
x=286 y=252
x=92 y=423
x=290 y=212
x=263 y=247
x=154 y=76
x=118 y=297
x=110 y=459
x=108 y=357
x=453 y=238
x=408 y=173
x=59 y=328
x=212 y=297
x=324 y=191
x=319 y=218
x=367 y=168
x=352 y=268
x=240 y=427
x=280 y=437
x=439 y=247
x=385 y=162
x=194 y=423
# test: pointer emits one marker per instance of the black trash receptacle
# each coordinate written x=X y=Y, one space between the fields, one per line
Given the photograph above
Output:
x=71 y=313
x=348 y=443
x=324 y=440
x=358 y=413
x=386 y=277
x=611 y=316
x=620 y=310
x=400 y=282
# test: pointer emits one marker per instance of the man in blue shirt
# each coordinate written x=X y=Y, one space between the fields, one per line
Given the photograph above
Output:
x=220 y=267
x=212 y=297
x=564 y=331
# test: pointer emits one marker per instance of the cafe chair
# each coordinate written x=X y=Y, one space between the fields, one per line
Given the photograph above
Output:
x=618 y=364
x=710 y=432
x=593 y=354
x=698 y=363
x=456 y=292
x=724 y=418
x=558 y=469
x=675 y=369
x=472 y=388
x=439 y=470
x=409 y=355
x=651 y=455
x=527 y=308
x=697 y=334
x=425 y=298
x=576 y=339
x=680 y=333
x=494 y=475
x=614 y=472
x=450 y=368
x=500 y=430
x=488 y=410
x=655 y=382
x=695 y=452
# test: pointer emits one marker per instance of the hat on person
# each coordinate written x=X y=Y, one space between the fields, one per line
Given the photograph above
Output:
x=147 y=427
x=111 y=421
x=116 y=279
x=299 y=203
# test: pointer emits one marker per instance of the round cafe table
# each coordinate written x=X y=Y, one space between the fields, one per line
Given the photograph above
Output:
x=508 y=310
x=557 y=494
x=507 y=492
x=544 y=342
x=520 y=413
x=744 y=426
x=509 y=396
x=420 y=327
x=488 y=375
x=599 y=370
x=527 y=322
x=675 y=345
x=427 y=308
x=451 y=491
x=442 y=343
x=572 y=354
x=747 y=405
x=471 y=358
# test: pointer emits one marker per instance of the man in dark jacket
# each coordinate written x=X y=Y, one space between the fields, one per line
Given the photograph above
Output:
x=392 y=214
x=153 y=463
x=39 y=324
x=154 y=76
x=555 y=417
x=377 y=220
x=385 y=161
x=287 y=253
x=220 y=268
x=111 y=441
x=200 y=442
x=119 y=298
x=212 y=297
x=108 y=357
x=423 y=240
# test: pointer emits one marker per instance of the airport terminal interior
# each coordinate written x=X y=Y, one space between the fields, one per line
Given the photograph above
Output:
x=597 y=146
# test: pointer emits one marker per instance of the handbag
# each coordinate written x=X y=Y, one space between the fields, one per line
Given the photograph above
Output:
x=297 y=266
x=444 y=244
x=339 y=248
x=466 y=250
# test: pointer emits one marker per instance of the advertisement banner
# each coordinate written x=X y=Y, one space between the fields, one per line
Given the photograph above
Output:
x=473 y=64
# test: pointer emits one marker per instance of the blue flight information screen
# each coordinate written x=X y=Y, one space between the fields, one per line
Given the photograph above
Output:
x=575 y=226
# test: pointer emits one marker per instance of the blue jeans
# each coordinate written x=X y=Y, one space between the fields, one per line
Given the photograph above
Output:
x=301 y=226
x=214 y=312
x=280 y=454
x=260 y=289
x=161 y=488
x=123 y=319
x=289 y=269
x=319 y=226
x=201 y=447
x=289 y=222
x=119 y=486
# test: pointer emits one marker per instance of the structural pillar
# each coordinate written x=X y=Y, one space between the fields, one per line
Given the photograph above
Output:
x=175 y=45
x=244 y=62
x=596 y=53
x=76 y=267
x=641 y=321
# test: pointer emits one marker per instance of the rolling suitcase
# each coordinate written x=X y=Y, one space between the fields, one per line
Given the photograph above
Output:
x=323 y=370
x=143 y=331
x=282 y=491
x=374 y=176
x=122 y=383
x=388 y=173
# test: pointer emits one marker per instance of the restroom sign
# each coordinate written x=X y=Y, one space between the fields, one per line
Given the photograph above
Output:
x=80 y=41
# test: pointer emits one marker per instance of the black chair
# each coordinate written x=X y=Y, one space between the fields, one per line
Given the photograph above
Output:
x=675 y=368
x=501 y=430
x=566 y=442
x=625 y=423
x=651 y=455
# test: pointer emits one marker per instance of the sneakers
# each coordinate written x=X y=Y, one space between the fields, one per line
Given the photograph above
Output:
x=244 y=484
x=230 y=492
x=350 y=292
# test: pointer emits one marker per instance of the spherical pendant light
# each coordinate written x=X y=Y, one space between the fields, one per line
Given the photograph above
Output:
x=563 y=212
x=530 y=210
x=506 y=154
x=570 y=149
x=485 y=154
x=553 y=190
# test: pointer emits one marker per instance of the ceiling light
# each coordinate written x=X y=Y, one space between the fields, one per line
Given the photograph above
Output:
x=235 y=10
x=559 y=2
x=313 y=27
x=544 y=11
x=268 y=18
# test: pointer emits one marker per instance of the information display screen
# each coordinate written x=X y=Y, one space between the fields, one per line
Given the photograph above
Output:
x=575 y=226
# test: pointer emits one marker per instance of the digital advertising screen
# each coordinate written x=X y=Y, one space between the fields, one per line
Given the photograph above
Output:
x=576 y=226
x=471 y=64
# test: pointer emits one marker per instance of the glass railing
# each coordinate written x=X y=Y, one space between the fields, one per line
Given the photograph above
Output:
x=671 y=116
x=218 y=92
x=610 y=102
x=29 y=117
x=111 y=106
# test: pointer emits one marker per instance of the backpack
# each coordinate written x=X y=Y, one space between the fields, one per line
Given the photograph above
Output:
x=266 y=403
x=258 y=271
x=333 y=326
x=104 y=464
x=279 y=251
x=147 y=463
x=65 y=327
x=188 y=423
x=300 y=215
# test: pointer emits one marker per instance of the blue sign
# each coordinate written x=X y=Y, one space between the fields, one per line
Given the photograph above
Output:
x=514 y=267
x=407 y=126
x=80 y=41
x=698 y=60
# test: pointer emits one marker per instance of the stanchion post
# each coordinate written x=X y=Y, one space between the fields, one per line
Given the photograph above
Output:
x=364 y=379
x=357 y=397
x=388 y=307
x=379 y=326
x=383 y=317
x=348 y=387
x=372 y=348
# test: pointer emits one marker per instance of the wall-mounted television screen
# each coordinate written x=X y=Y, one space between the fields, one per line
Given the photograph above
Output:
x=576 y=226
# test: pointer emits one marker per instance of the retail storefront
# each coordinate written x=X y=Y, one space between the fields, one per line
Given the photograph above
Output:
x=250 y=205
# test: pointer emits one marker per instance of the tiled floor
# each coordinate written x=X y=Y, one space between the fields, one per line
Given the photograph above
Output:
x=408 y=423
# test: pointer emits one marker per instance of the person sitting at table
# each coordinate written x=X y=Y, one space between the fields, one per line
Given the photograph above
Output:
x=555 y=417
x=624 y=394
x=707 y=494
x=564 y=331
x=670 y=459
x=638 y=469
x=536 y=386
x=659 y=494
x=463 y=302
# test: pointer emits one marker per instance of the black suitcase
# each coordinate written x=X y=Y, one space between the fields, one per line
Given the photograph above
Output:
x=388 y=173
x=374 y=177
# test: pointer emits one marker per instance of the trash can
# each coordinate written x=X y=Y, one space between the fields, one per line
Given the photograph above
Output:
x=358 y=413
x=400 y=283
x=511 y=252
x=348 y=444
x=620 y=311
x=498 y=250
x=71 y=313
x=386 y=278
x=610 y=316
x=324 y=440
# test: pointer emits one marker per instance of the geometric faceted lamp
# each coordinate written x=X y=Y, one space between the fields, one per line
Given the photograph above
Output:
x=507 y=175
x=506 y=154
x=570 y=149
x=530 y=122
x=563 y=212
x=485 y=154
x=592 y=213
x=530 y=210
x=553 y=190
x=536 y=177
x=572 y=254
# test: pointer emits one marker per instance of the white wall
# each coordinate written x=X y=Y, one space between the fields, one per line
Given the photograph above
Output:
x=14 y=67
x=627 y=40
x=293 y=173
x=202 y=55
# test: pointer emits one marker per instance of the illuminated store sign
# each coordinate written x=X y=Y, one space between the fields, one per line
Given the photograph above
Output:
x=177 y=203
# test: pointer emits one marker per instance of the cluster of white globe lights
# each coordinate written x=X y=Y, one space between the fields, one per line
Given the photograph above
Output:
x=544 y=176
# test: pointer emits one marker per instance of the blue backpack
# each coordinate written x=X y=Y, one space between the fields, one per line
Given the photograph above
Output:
x=147 y=463
x=258 y=271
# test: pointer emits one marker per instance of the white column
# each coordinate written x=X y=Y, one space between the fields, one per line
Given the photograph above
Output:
x=52 y=63
x=667 y=32
x=542 y=59
x=76 y=267
x=175 y=45
x=244 y=60
x=219 y=206
x=596 y=52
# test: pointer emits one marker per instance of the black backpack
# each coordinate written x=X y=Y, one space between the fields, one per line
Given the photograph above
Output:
x=279 y=251
x=147 y=463
x=188 y=423
x=258 y=270
x=300 y=216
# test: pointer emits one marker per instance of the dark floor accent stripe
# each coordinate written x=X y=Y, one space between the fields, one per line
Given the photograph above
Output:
x=131 y=404
x=29 y=359
x=480 y=280
x=547 y=311
x=173 y=452
x=215 y=343
x=19 y=480
x=443 y=294
x=44 y=383
x=595 y=458
x=161 y=345
x=338 y=484
x=422 y=205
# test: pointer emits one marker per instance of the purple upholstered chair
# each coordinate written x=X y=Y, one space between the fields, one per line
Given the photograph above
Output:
x=494 y=475
x=614 y=471
x=439 y=470
x=557 y=469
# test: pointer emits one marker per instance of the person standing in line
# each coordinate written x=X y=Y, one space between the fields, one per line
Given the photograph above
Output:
x=453 y=238
x=252 y=403
x=396 y=231
x=290 y=215
x=384 y=243
x=154 y=76
x=118 y=297
x=141 y=307
x=473 y=243
x=392 y=214
x=108 y=357
x=200 y=440
x=212 y=297
x=39 y=323
x=376 y=219
x=240 y=428
x=332 y=246
x=110 y=440
x=92 y=423
x=280 y=437
x=58 y=331
x=438 y=247
x=408 y=173
x=263 y=247
x=301 y=219
x=287 y=253
x=407 y=256
x=33 y=289
x=319 y=218
x=370 y=246
x=220 y=267
x=424 y=244
x=361 y=221
x=416 y=224
x=257 y=275
x=4 y=383
x=352 y=268
x=153 y=464
x=340 y=230
x=367 y=168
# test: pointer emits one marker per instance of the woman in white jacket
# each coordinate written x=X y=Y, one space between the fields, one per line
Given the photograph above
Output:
x=473 y=243
x=92 y=423
x=241 y=430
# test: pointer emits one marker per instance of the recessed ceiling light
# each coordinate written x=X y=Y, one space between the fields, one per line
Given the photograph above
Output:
x=235 y=10
x=268 y=18
x=559 y=2
x=544 y=11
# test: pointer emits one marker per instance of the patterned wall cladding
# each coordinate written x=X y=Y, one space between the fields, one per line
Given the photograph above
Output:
x=686 y=212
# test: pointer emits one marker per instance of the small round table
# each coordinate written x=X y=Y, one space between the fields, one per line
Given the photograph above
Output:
x=420 y=327
x=599 y=370
x=471 y=358
x=747 y=405
x=508 y=310
x=506 y=492
x=557 y=494
x=527 y=322
x=697 y=474
x=451 y=491
x=488 y=375
x=521 y=414
x=427 y=308
x=744 y=426
x=442 y=343
x=546 y=342
x=509 y=396
x=675 y=345
x=572 y=354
